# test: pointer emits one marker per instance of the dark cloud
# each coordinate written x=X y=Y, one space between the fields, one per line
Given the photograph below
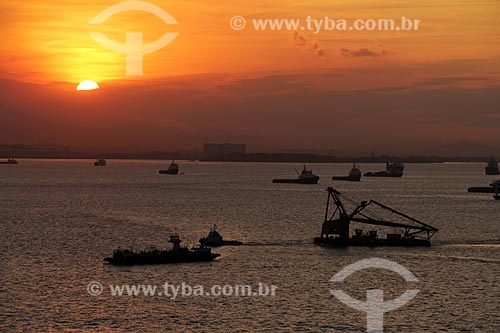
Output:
x=300 y=40
x=313 y=46
x=265 y=85
x=440 y=81
x=363 y=52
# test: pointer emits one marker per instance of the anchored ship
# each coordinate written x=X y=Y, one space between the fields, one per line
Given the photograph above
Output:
x=9 y=161
x=492 y=167
x=173 y=169
x=392 y=169
x=485 y=189
x=178 y=254
x=354 y=175
x=100 y=162
x=305 y=177
x=336 y=226
x=214 y=238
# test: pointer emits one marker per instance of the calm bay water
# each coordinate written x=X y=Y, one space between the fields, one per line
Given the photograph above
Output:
x=59 y=219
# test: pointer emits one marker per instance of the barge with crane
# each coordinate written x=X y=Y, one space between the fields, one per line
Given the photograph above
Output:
x=335 y=231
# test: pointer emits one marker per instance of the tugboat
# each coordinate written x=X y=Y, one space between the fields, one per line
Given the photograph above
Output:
x=100 y=162
x=215 y=239
x=178 y=254
x=336 y=227
x=392 y=169
x=9 y=161
x=305 y=177
x=492 y=167
x=173 y=169
x=354 y=175
x=484 y=189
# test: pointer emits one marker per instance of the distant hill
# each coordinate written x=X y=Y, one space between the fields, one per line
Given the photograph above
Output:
x=464 y=149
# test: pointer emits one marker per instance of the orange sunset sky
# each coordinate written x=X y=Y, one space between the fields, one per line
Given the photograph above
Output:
x=384 y=91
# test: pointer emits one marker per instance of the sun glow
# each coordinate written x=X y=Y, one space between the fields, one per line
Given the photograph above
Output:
x=87 y=85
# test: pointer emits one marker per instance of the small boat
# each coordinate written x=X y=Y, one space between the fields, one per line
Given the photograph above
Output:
x=354 y=175
x=173 y=169
x=305 y=177
x=214 y=238
x=178 y=254
x=392 y=169
x=485 y=189
x=492 y=167
x=335 y=229
x=9 y=161
x=497 y=190
x=100 y=162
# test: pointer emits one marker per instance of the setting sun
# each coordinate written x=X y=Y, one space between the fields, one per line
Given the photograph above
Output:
x=87 y=85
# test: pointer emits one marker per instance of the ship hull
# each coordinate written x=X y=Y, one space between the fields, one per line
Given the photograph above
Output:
x=337 y=242
x=384 y=174
x=347 y=178
x=481 y=189
x=161 y=259
x=492 y=171
x=205 y=242
x=295 y=181
x=168 y=172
